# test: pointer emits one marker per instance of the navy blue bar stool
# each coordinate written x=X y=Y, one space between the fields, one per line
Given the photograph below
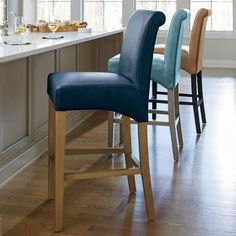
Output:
x=125 y=92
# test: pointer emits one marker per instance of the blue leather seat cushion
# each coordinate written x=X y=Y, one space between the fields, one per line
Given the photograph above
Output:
x=103 y=91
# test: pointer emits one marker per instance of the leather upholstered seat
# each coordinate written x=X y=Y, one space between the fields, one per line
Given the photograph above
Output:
x=125 y=92
x=106 y=91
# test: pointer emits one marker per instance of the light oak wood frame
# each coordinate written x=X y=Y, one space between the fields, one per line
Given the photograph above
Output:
x=173 y=122
x=57 y=151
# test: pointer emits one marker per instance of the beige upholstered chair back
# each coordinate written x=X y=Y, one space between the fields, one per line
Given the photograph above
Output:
x=192 y=61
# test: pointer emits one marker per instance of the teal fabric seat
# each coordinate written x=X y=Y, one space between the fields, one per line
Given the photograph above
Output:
x=166 y=72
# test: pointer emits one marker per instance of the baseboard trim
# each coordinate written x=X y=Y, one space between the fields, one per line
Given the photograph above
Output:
x=219 y=63
x=22 y=161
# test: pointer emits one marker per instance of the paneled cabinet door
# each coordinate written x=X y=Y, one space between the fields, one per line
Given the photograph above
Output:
x=15 y=108
x=108 y=47
x=42 y=65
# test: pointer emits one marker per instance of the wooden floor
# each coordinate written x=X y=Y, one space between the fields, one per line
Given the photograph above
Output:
x=195 y=197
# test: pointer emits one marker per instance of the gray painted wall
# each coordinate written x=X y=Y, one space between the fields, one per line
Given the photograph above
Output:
x=218 y=51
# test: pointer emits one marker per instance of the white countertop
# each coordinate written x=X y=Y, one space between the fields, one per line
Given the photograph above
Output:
x=39 y=45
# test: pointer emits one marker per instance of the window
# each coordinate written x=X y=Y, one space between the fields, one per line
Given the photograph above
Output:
x=222 y=13
x=1 y=11
x=59 y=8
x=168 y=7
x=103 y=14
x=108 y=14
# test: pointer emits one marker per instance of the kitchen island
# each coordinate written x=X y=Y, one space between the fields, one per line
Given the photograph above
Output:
x=23 y=86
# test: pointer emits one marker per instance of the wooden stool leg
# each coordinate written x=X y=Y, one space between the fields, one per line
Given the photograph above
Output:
x=171 y=114
x=144 y=165
x=121 y=133
x=200 y=91
x=51 y=151
x=110 y=130
x=154 y=96
x=177 y=114
x=59 y=168
x=128 y=151
x=195 y=103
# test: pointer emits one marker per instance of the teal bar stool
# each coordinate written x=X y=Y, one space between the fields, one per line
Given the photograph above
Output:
x=192 y=61
x=125 y=92
x=166 y=72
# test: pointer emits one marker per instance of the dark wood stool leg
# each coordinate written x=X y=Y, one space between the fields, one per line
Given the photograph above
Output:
x=128 y=150
x=200 y=93
x=195 y=103
x=144 y=165
x=154 y=96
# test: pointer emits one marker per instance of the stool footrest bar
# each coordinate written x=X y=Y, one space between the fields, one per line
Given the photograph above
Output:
x=101 y=174
x=153 y=111
x=76 y=151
